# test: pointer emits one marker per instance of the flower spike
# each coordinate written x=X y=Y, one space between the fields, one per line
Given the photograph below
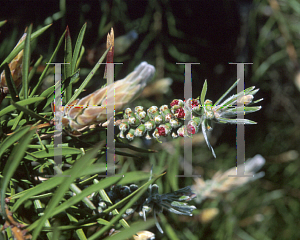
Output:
x=163 y=122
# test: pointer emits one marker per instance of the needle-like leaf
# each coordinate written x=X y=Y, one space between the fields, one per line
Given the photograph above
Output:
x=203 y=93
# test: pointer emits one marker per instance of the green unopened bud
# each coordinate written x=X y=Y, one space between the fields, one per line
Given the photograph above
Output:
x=163 y=108
x=150 y=125
x=153 y=111
x=158 y=119
x=134 y=121
x=127 y=112
x=130 y=135
x=124 y=126
x=175 y=123
x=138 y=109
x=140 y=130
x=142 y=115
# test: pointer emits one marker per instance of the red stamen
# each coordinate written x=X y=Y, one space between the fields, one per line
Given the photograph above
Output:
x=180 y=113
x=191 y=129
x=161 y=131
x=174 y=102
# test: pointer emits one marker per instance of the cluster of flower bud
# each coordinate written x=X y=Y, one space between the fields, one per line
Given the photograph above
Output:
x=163 y=121
x=116 y=193
x=151 y=200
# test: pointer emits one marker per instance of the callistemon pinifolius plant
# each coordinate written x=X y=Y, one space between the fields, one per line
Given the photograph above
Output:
x=163 y=121
x=152 y=123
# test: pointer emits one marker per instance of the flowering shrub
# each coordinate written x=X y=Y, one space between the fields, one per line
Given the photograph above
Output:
x=79 y=197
